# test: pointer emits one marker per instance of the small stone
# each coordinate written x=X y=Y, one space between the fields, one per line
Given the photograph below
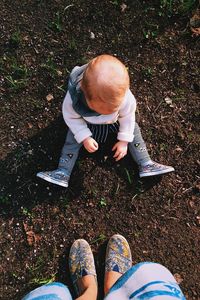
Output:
x=178 y=278
x=92 y=35
x=123 y=7
x=59 y=73
x=168 y=100
x=30 y=152
x=198 y=220
x=49 y=97
x=30 y=125
x=179 y=149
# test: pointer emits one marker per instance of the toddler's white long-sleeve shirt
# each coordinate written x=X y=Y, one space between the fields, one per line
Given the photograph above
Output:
x=125 y=116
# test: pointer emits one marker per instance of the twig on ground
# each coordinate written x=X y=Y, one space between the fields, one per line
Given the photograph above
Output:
x=157 y=107
x=185 y=150
x=68 y=6
x=134 y=197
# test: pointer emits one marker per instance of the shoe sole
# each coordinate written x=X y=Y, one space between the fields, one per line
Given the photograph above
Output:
x=157 y=173
x=51 y=180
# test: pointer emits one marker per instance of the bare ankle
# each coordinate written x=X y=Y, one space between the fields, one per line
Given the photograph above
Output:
x=88 y=288
x=110 y=279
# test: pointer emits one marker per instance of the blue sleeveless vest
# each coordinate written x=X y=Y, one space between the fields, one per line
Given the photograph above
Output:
x=79 y=103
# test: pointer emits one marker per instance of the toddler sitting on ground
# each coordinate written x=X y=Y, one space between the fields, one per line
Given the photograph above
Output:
x=97 y=103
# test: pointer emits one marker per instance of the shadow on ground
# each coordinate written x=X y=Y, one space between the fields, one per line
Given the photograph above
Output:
x=21 y=188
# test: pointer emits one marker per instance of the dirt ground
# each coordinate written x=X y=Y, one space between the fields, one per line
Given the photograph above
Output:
x=40 y=43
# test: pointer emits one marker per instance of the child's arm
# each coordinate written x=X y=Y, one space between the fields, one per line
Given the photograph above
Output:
x=90 y=145
x=127 y=118
x=77 y=125
x=120 y=149
x=126 y=126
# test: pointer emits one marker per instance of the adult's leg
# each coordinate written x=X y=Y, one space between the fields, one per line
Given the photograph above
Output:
x=56 y=290
x=82 y=269
x=118 y=260
x=88 y=288
x=146 y=281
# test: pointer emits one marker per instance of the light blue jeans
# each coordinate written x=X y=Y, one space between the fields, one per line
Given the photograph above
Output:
x=143 y=281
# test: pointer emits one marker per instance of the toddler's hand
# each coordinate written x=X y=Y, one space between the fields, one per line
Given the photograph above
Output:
x=90 y=145
x=121 y=150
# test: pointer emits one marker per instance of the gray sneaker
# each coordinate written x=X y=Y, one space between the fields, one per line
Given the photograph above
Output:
x=153 y=169
x=57 y=176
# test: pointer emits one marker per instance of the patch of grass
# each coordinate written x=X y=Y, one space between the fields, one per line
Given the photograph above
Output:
x=62 y=88
x=129 y=177
x=102 y=202
x=56 y=24
x=64 y=202
x=94 y=192
x=83 y=60
x=193 y=136
x=115 y=2
x=147 y=72
x=15 y=275
x=1 y=64
x=72 y=44
x=137 y=234
x=41 y=281
x=15 y=38
x=101 y=237
x=180 y=95
x=181 y=6
x=50 y=66
x=19 y=71
x=150 y=30
x=188 y=5
x=117 y=189
x=149 y=33
x=37 y=104
x=163 y=147
x=4 y=199
x=149 y=133
x=167 y=5
x=15 y=84
x=27 y=212
x=18 y=76
x=38 y=267
x=5 y=62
